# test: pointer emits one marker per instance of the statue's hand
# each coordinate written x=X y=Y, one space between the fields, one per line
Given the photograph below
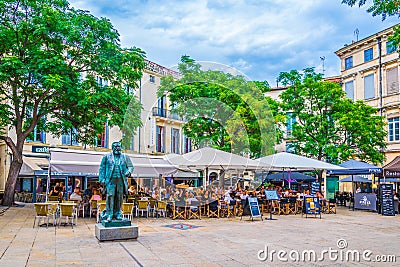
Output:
x=128 y=173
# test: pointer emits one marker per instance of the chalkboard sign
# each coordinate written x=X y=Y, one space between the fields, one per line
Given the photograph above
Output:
x=315 y=186
x=312 y=206
x=271 y=195
x=387 y=200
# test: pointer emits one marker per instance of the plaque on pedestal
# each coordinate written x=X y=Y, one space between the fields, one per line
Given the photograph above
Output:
x=116 y=233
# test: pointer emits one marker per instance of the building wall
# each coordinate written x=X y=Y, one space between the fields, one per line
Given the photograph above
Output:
x=147 y=95
x=383 y=64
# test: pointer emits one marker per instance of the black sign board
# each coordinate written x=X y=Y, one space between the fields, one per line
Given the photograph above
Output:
x=312 y=206
x=387 y=200
x=315 y=186
x=251 y=208
x=254 y=208
x=365 y=201
x=40 y=149
x=271 y=195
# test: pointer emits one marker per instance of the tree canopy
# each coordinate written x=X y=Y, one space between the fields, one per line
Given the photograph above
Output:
x=328 y=125
x=378 y=8
x=62 y=69
x=221 y=109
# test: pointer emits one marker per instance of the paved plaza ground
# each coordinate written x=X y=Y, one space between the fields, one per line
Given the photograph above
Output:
x=216 y=242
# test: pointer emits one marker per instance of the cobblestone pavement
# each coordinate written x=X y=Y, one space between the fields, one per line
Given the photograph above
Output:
x=216 y=242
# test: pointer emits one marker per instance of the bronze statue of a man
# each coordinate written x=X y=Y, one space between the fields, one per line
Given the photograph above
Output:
x=115 y=167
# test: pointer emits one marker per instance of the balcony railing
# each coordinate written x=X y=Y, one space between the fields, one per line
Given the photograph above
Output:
x=165 y=113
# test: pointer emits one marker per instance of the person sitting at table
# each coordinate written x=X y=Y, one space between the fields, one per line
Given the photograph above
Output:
x=88 y=193
x=96 y=195
x=76 y=195
x=132 y=190
x=244 y=195
x=156 y=194
x=228 y=198
x=56 y=192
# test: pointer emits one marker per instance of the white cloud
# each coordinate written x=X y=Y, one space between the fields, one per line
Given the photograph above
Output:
x=260 y=38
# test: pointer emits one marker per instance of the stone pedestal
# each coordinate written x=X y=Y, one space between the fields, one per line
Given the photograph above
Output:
x=116 y=233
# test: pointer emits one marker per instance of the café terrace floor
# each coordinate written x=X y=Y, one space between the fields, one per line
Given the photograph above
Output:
x=216 y=242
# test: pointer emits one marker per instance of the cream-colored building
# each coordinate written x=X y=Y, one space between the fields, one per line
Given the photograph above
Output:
x=370 y=72
x=161 y=132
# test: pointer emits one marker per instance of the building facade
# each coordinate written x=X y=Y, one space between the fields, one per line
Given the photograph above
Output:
x=370 y=72
x=160 y=133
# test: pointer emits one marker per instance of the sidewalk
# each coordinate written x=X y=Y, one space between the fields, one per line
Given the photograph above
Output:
x=216 y=242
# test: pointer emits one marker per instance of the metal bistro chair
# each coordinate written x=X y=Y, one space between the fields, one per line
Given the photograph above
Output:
x=93 y=207
x=44 y=211
x=127 y=209
x=143 y=206
x=161 y=208
x=152 y=206
x=67 y=210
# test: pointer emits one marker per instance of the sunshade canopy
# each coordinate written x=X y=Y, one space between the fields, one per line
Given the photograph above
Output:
x=283 y=160
x=355 y=167
x=88 y=163
x=208 y=157
x=392 y=169
x=355 y=178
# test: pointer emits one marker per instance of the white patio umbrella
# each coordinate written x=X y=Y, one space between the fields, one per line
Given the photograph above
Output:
x=208 y=157
x=212 y=158
x=286 y=161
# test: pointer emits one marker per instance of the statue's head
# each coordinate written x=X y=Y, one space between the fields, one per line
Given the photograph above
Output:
x=116 y=147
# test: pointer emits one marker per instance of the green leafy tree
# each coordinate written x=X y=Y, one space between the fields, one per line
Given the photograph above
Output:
x=378 y=8
x=329 y=126
x=52 y=58
x=384 y=9
x=222 y=110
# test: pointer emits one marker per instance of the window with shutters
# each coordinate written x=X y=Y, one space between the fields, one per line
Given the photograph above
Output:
x=349 y=89
x=392 y=81
x=369 y=88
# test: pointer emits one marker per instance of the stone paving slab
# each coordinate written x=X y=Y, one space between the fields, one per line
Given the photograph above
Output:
x=217 y=242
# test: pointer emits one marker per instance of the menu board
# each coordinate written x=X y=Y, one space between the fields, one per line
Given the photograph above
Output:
x=312 y=205
x=271 y=195
x=387 y=200
x=254 y=208
x=315 y=186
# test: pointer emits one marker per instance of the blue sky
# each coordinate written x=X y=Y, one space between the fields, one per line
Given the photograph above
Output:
x=259 y=38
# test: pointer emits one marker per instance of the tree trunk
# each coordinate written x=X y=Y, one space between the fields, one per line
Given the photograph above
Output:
x=16 y=164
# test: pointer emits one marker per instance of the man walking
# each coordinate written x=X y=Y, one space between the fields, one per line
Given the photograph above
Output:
x=115 y=167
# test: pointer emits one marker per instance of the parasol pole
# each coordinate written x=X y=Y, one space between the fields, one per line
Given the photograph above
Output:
x=354 y=192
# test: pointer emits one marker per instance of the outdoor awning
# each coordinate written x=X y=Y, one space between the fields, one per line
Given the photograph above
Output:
x=356 y=179
x=86 y=163
x=356 y=167
x=392 y=169
x=28 y=167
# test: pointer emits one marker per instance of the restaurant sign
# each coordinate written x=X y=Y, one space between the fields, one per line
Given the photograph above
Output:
x=40 y=149
x=392 y=173
x=365 y=201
